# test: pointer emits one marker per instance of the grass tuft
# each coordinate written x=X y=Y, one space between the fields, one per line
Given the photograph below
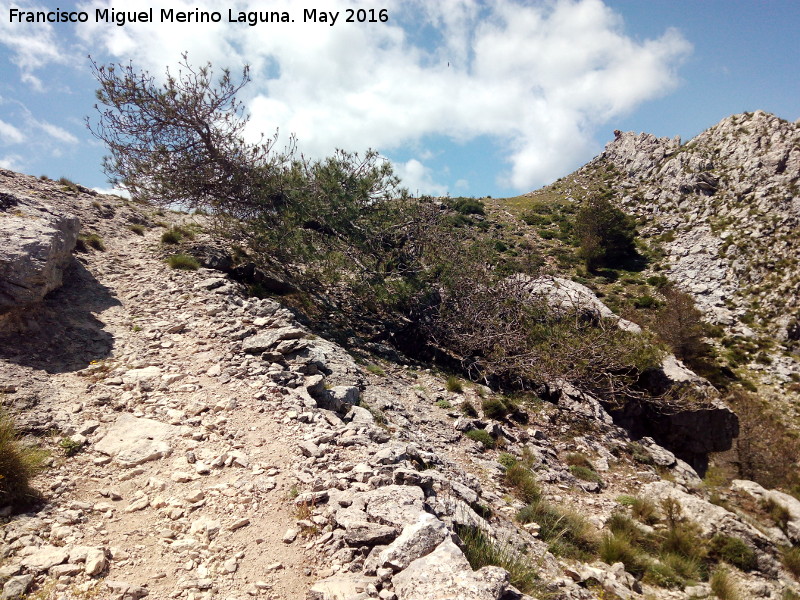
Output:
x=453 y=384
x=18 y=464
x=482 y=436
x=184 y=262
x=482 y=551
x=723 y=586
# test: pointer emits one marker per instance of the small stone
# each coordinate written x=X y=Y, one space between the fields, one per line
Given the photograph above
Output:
x=95 y=561
x=290 y=536
x=239 y=523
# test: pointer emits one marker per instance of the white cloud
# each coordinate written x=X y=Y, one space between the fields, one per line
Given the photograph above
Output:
x=537 y=78
x=12 y=162
x=56 y=133
x=10 y=134
x=32 y=45
x=419 y=179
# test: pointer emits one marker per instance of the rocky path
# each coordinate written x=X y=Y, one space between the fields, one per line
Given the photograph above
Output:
x=200 y=506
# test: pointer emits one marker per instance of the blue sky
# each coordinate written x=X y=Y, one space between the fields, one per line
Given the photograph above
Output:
x=464 y=97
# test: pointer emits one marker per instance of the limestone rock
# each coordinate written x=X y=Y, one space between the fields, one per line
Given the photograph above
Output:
x=36 y=242
x=414 y=542
x=445 y=574
x=15 y=588
x=136 y=440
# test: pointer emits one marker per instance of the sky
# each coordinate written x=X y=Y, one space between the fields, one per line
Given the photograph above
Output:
x=464 y=97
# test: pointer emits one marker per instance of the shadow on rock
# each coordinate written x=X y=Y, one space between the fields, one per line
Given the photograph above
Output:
x=61 y=334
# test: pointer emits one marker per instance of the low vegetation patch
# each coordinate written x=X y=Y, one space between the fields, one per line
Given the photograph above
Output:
x=566 y=531
x=89 y=240
x=184 y=262
x=482 y=436
x=453 y=384
x=19 y=462
x=482 y=551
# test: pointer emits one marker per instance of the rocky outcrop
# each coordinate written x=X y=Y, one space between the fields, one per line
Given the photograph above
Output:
x=36 y=242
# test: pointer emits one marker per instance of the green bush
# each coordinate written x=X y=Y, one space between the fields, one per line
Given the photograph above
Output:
x=482 y=436
x=733 y=551
x=18 y=464
x=184 y=262
x=495 y=408
x=173 y=235
x=605 y=233
x=468 y=206
x=507 y=460
x=645 y=301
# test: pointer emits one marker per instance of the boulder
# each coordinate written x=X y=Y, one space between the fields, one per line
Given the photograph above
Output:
x=36 y=242
x=267 y=340
x=445 y=574
x=16 y=587
x=790 y=503
x=136 y=440
x=416 y=541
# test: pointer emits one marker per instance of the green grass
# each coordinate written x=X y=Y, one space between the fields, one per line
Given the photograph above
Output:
x=444 y=404
x=495 y=408
x=70 y=446
x=453 y=384
x=137 y=229
x=723 y=586
x=482 y=551
x=89 y=240
x=376 y=370
x=18 y=464
x=585 y=473
x=482 y=436
x=733 y=551
x=791 y=561
x=617 y=547
x=567 y=532
x=184 y=262
x=469 y=409
x=172 y=236
x=523 y=482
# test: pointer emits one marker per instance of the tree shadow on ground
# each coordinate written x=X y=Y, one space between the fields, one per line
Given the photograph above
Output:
x=62 y=333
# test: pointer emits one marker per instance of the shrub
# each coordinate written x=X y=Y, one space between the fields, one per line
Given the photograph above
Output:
x=507 y=460
x=482 y=436
x=468 y=206
x=444 y=404
x=70 y=446
x=791 y=560
x=605 y=233
x=645 y=301
x=495 y=408
x=481 y=551
x=454 y=385
x=183 y=261
x=137 y=229
x=662 y=575
x=91 y=240
x=18 y=464
x=733 y=551
x=172 y=236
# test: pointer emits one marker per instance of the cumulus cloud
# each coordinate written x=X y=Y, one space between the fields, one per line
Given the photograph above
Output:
x=537 y=79
x=419 y=179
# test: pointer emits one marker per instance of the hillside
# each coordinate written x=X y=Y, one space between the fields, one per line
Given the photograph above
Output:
x=213 y=434
x=717 y=216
